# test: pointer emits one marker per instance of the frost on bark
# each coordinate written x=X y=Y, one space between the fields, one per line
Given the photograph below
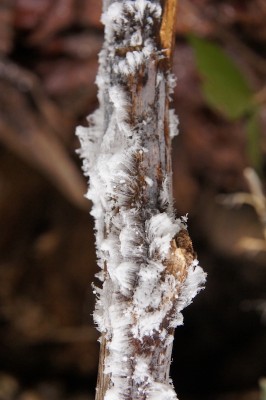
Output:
x=147 y=265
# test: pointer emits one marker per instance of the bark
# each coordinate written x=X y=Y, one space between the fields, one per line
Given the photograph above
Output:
x=148 y=270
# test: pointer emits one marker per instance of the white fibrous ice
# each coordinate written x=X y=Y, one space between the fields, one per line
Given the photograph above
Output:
x=173 y=123
x=141 y=298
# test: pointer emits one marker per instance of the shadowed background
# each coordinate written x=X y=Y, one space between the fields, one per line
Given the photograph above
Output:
x=48 y=63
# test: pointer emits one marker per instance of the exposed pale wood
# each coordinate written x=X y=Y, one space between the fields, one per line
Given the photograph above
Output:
x=103 y=379
x=168 y=26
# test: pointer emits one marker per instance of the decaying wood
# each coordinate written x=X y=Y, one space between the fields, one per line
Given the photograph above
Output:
x=143 y=93
x=133 y=207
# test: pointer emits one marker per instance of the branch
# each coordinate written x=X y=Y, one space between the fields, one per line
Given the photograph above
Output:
x=148 y=267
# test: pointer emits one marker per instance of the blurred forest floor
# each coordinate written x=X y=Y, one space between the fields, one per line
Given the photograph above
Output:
x=48 y=63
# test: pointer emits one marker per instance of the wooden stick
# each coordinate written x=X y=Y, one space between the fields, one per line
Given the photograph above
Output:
x=148 y=270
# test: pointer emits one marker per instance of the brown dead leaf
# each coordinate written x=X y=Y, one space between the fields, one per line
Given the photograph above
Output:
x=89 y=13
x=59 y=16
x=82 y=46
x=28 y=13
x=30 y=126
x=6 y=28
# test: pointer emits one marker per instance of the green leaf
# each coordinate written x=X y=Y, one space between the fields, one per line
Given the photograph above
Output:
x=224 y=86
x=253 y=140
